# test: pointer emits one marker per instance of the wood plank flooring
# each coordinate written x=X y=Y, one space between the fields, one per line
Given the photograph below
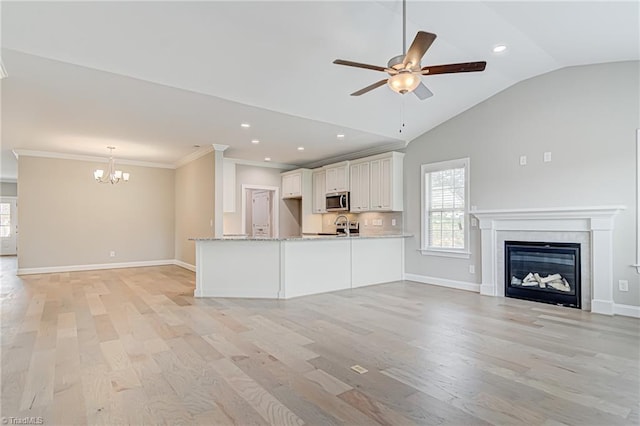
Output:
x=132 y=346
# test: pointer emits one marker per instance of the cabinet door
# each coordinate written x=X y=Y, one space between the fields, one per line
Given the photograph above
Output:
x=319 y=192
x=363 y=187
x=376 y=199
x=342 y=178
x=292 y=185
x=355 y=188
x=331 y=180
x=385 y=184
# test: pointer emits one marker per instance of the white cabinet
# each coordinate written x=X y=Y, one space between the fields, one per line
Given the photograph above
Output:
x=386 y=182
x=337 y=177
x=319 y=191
x=360 y=182
x=297 y=191
x=292 y=184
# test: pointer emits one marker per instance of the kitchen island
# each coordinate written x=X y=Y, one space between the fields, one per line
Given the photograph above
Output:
x=282 y=268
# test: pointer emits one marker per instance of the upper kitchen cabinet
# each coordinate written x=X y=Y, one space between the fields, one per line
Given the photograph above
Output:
x=386 y=182
x=319 y=191
x=360 y=183
x=292 y=184
x=337 y=177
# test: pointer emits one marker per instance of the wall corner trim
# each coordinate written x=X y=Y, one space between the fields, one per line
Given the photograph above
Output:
x=443 y=282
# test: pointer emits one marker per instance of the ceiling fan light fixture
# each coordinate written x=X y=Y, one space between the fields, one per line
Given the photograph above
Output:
x=403 y=82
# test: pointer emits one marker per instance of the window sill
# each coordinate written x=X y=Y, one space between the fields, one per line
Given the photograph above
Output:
x=446 y=253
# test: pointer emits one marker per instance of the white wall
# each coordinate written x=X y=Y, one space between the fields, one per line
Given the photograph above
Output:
x=585 y=116
x=66 y=218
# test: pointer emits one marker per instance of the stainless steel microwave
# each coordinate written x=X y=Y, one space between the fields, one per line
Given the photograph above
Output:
x=337 y=202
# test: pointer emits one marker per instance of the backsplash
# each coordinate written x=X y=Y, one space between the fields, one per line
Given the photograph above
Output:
x=371 y=223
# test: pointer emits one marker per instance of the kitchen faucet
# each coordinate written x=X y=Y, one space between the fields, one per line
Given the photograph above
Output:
x=346 y=221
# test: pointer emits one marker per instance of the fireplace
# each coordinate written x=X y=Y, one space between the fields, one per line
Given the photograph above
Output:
x=543 y=272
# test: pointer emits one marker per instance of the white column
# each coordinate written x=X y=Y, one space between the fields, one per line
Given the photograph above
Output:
x=602 y=265
x=489 y=260
x=218 y=197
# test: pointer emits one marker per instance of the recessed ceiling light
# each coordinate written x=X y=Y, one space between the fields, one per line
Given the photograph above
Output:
x=340 y=136
x=255 y=141
x=499 y=48
x=267 y=158
x=245 y=125
x=301 y=148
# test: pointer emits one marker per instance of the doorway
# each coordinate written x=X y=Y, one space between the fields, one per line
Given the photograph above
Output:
x=8 y=226
x=260 y=214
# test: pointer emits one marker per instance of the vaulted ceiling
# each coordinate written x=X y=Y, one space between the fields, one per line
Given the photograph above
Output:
x=155 y=79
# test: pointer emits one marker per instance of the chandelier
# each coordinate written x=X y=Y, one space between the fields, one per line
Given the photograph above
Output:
x=112 y=176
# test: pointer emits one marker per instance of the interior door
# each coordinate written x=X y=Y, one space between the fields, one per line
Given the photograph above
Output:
x=261 y=214
x=8 y=226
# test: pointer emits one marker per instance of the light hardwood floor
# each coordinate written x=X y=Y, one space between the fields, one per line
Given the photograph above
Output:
x=132 y=346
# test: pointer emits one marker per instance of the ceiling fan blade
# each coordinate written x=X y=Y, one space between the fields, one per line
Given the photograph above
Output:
x=452 y=68
x=418 y=48
x=422 y=92
x=359 y=65
x=371 y=87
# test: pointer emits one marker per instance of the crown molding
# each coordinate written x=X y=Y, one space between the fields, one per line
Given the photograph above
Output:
x=194 y=156
x=355 y=155
x=58 y=155
x=268 y=165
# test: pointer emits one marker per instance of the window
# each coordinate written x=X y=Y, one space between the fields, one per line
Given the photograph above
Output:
x=445 y=195
x=5 y=220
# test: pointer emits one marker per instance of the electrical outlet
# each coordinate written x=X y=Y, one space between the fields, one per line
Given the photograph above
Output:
x=359 y=369
x=112 y=253
x=472 y=269
x=523 y=160
x=623 y=285
x=474 y=222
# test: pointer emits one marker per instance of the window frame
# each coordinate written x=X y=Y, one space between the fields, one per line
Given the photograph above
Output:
x=463 y=253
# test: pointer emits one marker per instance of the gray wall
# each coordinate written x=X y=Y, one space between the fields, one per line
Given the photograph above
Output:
x=586 y=116
x=194 y=206
x=265 y=176
x=9 y=189
x=68 y=219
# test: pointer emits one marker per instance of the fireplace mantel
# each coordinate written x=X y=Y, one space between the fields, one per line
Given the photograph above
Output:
x=596 y=220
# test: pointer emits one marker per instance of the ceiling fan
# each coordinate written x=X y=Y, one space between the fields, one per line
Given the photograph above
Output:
x=405 y=70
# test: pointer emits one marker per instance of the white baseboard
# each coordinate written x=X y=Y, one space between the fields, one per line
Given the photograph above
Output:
x=626 y=310
x=604 y=307
x=93 y=267
x=184 y=265
x=443 y=282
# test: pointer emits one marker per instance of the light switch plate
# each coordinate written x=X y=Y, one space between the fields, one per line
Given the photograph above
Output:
x=623 y=285
x=472 y=269
x=523 y=160
x=474 y=222
x=393 y=222
x=547 y=157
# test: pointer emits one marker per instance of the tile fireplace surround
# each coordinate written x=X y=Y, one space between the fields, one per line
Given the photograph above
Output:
x=592 y=227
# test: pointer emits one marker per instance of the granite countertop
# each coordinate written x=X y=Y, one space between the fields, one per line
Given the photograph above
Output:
x=304 y=237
